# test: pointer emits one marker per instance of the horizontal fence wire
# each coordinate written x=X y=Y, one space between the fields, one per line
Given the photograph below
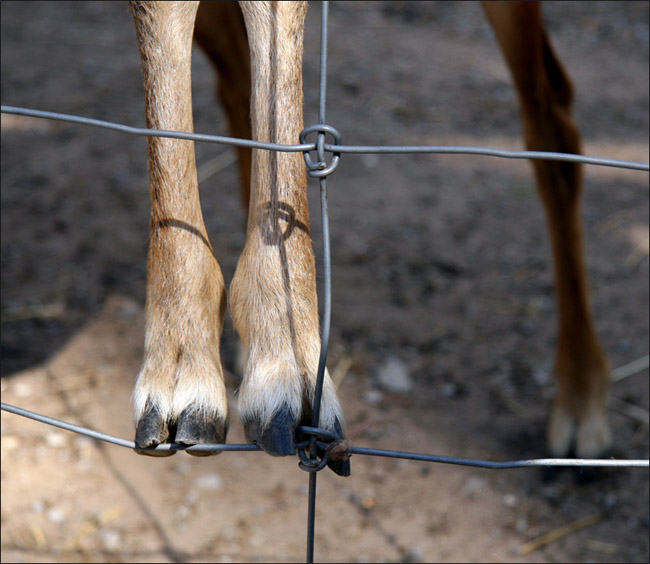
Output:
x=351 y=450
x=336 y=149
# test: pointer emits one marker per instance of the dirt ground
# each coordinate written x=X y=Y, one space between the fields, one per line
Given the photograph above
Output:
x=441 y=276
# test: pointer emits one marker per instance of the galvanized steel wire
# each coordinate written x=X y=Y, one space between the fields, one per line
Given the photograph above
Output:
x=335 y=149
x=352 y=449
x=320 y=169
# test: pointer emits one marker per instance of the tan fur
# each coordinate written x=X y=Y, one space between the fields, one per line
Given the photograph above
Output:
x=276 y=274
x=186 y=295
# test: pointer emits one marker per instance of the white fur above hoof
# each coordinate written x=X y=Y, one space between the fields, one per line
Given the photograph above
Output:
x=589 y=437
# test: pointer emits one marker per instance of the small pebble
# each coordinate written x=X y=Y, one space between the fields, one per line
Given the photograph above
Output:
x=208 y=482
x=22 y=389
x=56 y=439
x=393 y=376
x=473 y=485
x=112 y=540
x=56 y=515
x=373 y=397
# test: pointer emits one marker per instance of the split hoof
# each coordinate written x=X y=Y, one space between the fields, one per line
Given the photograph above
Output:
x=191 y=428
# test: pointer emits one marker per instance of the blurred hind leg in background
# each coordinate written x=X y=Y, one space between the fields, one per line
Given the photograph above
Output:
x=579 y=421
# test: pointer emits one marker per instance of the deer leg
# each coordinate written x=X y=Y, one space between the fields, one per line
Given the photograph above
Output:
x=179 y=394
x=221 y=33
x=273 y=297
x=579 y=419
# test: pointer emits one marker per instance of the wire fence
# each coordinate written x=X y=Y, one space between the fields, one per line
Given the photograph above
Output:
x=335 y=149
x=350 y=449
x=314 y=453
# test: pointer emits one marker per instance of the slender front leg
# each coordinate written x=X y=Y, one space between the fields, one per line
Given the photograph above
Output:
x=579 y=419
x=273 y=295
x=180 y=394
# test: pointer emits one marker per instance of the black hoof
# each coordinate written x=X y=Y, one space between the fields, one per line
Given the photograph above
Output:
x=582 y=475
x=550 y=473
x=278 y=437
x=338 y=455
x=152 y=430
x=194 y=428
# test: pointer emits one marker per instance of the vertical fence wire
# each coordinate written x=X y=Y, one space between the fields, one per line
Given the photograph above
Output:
x=327 y=282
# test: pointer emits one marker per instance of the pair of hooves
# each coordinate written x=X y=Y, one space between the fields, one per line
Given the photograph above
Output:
x=190 y=428
x=277 y=438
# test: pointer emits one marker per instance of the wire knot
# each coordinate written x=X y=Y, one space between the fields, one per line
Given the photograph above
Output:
x=314 y=454
x=321 y=168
